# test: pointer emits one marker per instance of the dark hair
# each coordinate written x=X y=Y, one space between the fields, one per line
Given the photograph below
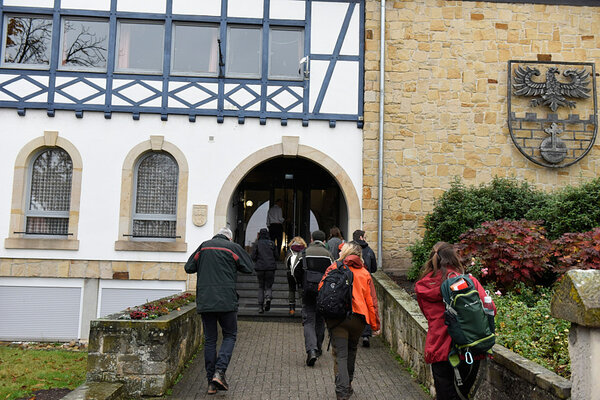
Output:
x=357 y=234
x=318 y=235
x=442 y=257
x=335 y=232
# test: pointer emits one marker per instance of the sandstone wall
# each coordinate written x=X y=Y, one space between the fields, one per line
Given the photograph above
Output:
x=446 y=102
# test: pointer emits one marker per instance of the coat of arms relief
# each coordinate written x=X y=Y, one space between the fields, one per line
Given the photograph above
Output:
x=552 y=110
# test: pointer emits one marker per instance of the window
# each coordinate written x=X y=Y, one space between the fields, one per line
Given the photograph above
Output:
x=27 y=41
x=195 y=50
x=286 y=48
x=49 y=195
x=244 y=47
x=141 y=47
x=84 y=44
x=155 y=208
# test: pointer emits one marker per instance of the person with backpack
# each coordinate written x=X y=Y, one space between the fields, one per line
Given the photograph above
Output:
x=297 y=244
x=311 y=266
x=358 y=302
x=371 y=263
x=443 y=265
x=264 y=255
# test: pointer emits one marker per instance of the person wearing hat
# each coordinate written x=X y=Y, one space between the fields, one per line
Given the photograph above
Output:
x=264 y=255
x=216 y=263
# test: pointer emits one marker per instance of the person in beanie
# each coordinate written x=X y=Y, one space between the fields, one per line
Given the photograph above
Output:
x=370 y=261
x=216 y=263
x=312 y=264
x=264 y=255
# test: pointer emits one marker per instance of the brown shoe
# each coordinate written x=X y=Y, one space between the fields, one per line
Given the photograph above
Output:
x=212 y=389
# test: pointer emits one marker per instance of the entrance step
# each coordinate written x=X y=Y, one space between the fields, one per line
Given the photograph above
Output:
x=247 y=288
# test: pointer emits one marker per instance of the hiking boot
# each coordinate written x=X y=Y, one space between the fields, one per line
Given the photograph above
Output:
x=268 y=304
x=311 y=358
x=319 y=352
x=212 y=389
x=219 y=380
x=260 y=309
x=366 y=342
x=292 y=312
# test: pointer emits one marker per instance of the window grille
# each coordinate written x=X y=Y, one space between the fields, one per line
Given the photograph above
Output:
x=49 y=196
x=155 y=209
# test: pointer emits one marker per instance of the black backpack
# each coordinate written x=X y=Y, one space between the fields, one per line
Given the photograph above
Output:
x=334 y=299
x=312 y=273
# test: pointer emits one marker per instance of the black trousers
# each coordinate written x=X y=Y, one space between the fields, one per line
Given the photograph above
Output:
x=276 y=235
x=443 y=378
x=265 y=285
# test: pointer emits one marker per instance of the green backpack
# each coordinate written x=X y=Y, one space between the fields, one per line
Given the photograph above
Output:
x=470 y=325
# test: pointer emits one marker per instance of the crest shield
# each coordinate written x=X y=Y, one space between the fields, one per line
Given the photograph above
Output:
x=199 y=214
x=552 y=110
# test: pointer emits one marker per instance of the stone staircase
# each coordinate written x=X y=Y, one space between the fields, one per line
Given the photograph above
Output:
x=247 y=288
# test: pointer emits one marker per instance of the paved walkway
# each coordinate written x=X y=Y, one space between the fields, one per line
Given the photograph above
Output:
x=269 y=364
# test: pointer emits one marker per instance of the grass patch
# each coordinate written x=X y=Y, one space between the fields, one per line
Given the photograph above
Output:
x=25 y=371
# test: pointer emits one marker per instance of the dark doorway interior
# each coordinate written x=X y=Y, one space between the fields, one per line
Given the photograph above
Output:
x=311 y=199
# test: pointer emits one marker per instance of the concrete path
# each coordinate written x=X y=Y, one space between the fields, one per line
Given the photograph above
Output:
x=269 y=364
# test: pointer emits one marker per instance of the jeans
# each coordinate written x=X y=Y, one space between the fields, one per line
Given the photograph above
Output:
x=313 y=323
x=344 y=338
x=265 y=285
x=228 y=323
x=443 y=379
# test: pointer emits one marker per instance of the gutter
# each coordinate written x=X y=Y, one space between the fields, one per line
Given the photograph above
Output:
x=381 y=120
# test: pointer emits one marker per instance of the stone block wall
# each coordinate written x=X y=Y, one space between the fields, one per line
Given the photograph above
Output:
x=146 y=356
x=446 y=102
x=508 y=376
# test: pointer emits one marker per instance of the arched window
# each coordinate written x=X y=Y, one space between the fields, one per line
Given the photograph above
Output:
x=49 y=193
x=154 y=214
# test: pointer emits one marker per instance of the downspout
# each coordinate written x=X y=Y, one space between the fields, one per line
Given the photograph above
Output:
x=381 y=119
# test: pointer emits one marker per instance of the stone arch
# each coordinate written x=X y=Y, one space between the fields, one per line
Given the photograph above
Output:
x=289 y=147
x=18 y=206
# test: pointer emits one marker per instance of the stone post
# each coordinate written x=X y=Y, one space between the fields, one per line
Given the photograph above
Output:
x=577 y=299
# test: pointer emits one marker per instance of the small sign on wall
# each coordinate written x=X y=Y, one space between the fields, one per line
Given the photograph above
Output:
x=199 y=214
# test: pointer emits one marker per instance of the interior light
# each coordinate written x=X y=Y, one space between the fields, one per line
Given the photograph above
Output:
x=249 y=203
x=289 y=176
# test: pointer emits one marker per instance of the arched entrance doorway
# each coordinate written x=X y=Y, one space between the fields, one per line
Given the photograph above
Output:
x=310 y=198
x=227 y=207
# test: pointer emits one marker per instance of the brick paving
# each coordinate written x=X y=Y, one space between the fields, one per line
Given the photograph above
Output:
x=268 y=363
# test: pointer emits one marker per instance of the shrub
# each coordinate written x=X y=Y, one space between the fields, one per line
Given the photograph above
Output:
x=461 y=208
x=156 y=308
x=577 y=250
x=510 y=251
x=571 y=209
x=525 y=326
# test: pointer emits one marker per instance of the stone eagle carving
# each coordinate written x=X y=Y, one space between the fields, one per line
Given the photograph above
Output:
x=552 y=93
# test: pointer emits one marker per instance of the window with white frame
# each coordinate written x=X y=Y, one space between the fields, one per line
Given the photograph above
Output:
x=27 y=41
x=155 y=206
x=286 y=48
x=195 y=49
x=49 y=193
x=84 y=44
x=244 y=52
x=140 y=47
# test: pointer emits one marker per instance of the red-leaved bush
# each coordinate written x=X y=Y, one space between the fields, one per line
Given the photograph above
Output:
x=577 y=250
x=509 y=251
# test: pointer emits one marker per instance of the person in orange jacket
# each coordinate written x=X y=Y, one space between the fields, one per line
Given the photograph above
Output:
x=346 y=334
x=443 y=260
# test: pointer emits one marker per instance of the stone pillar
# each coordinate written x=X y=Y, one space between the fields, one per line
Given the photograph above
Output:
x=577 y=299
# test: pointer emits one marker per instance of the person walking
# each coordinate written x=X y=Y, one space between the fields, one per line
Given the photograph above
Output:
x=443 y=261
x=297 y=244
x=216 y=263
x=275 y=222
x=346 y=333
x=264 y=255
x=312 y=264
x=371 y=263
x=334 y=242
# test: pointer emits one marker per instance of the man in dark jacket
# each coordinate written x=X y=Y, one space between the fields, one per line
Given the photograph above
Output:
x=216 y=263
x=264 y=255
x=314 y=261
x=371 y=263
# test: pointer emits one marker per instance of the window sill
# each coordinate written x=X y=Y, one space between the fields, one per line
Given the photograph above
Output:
x=130 y=245
x=41 y=244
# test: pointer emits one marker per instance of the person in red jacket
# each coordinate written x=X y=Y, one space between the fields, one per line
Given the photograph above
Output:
x=443 y=261
x=345 y=334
